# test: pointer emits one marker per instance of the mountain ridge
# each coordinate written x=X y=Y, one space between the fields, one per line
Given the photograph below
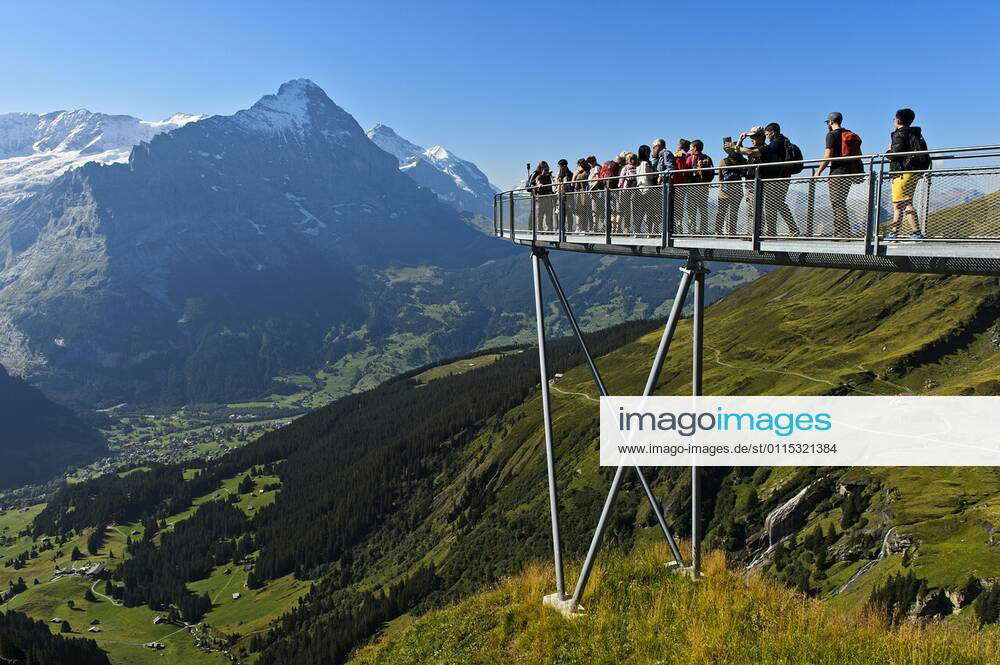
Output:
x=37 y=148
x=40 y=438
x=455 y=180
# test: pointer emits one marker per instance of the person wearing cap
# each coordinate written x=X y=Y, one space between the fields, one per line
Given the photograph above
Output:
x=840 y=170
x=775 y=191
x=730 y=191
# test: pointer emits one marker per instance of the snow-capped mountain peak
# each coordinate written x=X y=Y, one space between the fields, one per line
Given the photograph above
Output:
x=437 y=152
x=394 y=144
x=37 y=148
x=453 y=179
x=300 y=111
x=288 y=110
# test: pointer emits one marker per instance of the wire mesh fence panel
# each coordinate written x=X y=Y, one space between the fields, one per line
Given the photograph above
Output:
x=636 y=210
x=646 y=210
x=788 y=204
x=834 y=206
x=951 y=204
x=719 y=209
x=598 y=211
x=522 y=212
x=618 y=205
x=579 y=212
x=695 y=208
x=547 y=213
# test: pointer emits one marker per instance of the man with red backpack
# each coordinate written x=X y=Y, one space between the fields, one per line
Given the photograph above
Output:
x=840 y=142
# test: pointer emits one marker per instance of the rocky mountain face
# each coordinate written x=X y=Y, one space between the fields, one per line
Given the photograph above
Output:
x=35 y=149
x=455 y=180
x=222 y=252
x=237 y=248
x=38 y=438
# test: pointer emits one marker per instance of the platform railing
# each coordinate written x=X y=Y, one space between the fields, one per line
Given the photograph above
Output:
x=957 y=199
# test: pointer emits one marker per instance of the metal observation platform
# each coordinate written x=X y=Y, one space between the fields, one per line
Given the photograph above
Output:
x=827 y=221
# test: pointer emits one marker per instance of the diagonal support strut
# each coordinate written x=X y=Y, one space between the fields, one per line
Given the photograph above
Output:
x=692 y=268
x=654 y=504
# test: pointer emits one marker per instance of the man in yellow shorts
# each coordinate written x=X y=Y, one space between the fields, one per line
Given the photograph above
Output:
x=907 y=171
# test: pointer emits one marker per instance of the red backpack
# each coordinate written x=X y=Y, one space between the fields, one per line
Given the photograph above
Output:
x=850 y=143
x=611 y=169
x=680 y=162
x=850 y=146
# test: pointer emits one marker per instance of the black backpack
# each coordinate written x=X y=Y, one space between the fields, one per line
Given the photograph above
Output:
x=917 y=162
x=793 y=154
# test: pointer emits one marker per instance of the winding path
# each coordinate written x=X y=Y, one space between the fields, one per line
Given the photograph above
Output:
x=567 y=392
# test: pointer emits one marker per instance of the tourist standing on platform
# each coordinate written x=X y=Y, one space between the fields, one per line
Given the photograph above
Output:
x=906 y=172
x=840 y=142
x=697 y=198
x=542 y=178
x=596 y=201
x=581 y=205
x=626 y=201
x=564 y=176
x=611 y=169
x=679 y=177
x=647 y=199
x=730 y=189
x=564 y=183
x=661 y=158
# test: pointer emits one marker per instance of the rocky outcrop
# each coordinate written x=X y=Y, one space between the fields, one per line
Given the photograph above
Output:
x=934 y=605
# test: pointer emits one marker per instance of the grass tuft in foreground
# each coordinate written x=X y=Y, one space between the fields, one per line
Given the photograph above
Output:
x=638 y=612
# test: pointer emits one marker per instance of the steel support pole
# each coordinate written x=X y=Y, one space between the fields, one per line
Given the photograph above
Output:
x=668 y=211
x=811 y=206
x=654 y=373
x=561 y=200
x=871 y=232
x=607 y=212
x=604 y=392
x=532 y=219
x=877 y=207
x=512 y=238
x=547 y=419
x=697 y=339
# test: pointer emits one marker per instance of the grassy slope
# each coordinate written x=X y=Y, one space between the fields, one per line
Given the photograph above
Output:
x=639 y=612
x=125 y=629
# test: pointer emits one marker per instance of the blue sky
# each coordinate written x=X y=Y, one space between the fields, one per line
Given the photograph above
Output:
x=507 y=83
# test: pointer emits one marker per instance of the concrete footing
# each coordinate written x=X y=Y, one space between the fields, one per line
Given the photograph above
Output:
x=562 y=605
x=689 y=572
